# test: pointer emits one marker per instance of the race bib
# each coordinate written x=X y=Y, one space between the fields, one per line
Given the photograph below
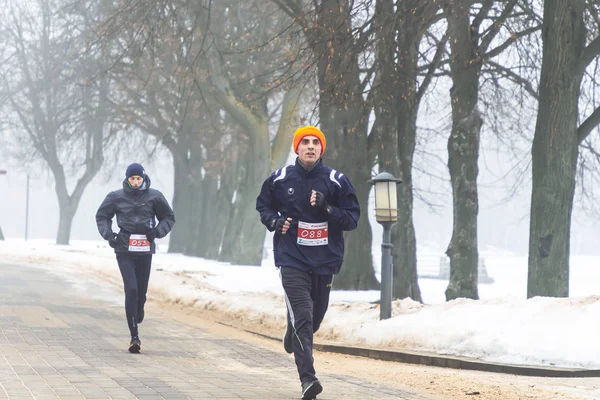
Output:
x=138 y=243
x=313 y=234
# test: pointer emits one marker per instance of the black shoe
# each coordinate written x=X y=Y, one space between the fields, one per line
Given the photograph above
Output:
x=140 y=315
x=135 y=346
x=288 y=337
x=311 y=389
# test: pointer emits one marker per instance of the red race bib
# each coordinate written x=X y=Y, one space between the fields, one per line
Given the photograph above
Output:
x=138 y=243
x=313 y=234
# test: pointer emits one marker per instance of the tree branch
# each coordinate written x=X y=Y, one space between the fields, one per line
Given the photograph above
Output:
x=588 y=125
x=486 y=6
x=513 y=38
x=232 y=106
x=495 y=28
x=287 y=124
x=291 y=8
x=433 y=66
x=590 y=52
x=524 y=83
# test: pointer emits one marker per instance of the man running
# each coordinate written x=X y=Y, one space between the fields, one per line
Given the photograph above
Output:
x=309 y=206
x=137 y=207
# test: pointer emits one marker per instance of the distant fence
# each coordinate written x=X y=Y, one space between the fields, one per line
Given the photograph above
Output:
x=434 y=267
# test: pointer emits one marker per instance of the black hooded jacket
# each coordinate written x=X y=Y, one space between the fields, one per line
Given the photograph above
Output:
x=136 y=211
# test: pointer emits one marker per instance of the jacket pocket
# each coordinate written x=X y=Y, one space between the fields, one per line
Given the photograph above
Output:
x=123 y=239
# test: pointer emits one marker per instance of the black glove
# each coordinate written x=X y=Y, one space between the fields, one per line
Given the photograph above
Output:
x=320 y=201
x=151 y=235
x=278 y=223
x=113 y=240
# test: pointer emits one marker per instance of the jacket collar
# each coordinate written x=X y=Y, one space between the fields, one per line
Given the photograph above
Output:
x=302 y=169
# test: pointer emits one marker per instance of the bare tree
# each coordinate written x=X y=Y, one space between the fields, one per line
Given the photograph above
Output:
x=243 y=77
x=398 y=91
x=472 y=33
x=206 y=80
x=52 y=99
x=568 y=50
x=336 y=34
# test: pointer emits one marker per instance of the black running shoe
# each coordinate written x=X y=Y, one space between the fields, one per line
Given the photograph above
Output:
x=288 y=337
x=140 y=315
x=311 y=389
x=135 y=346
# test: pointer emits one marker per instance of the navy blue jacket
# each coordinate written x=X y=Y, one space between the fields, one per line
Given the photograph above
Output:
x=287 y=193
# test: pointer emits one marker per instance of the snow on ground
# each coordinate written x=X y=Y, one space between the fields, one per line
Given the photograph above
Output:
x=502 y=327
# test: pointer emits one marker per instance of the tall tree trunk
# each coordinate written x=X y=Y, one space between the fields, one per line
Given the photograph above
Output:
x=399 y=33
x=344 y=120
x=555 y=149
x=280 y=147
x=217 y=217
x=188 y=161
x=69 y=204
x=245 y=235
x=411 y=27
x=181 y=237
x=404 y=240
x=65 y=222
x=67 y=207
x=463 y=153
x=209 y=229
x=354 y=273
x=385 y=99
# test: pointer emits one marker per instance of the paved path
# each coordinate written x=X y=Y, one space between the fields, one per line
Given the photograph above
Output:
x=56 y=343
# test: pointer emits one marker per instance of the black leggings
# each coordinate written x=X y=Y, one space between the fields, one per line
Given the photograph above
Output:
x=135 y=271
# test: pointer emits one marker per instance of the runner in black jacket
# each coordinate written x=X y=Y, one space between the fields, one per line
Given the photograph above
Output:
x=136 y=207
x=309 y=206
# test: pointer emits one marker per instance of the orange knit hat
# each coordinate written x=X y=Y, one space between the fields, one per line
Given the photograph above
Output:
x=309 y=131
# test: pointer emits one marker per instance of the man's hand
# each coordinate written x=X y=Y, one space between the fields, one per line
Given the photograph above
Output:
x=113 y=240
x=317 y=199
x=282 y=225
x=151 y=235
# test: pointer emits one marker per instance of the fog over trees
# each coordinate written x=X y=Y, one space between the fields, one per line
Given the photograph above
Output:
x=487 y=110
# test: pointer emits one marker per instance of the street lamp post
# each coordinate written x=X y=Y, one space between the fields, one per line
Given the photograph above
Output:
x=386 y=213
